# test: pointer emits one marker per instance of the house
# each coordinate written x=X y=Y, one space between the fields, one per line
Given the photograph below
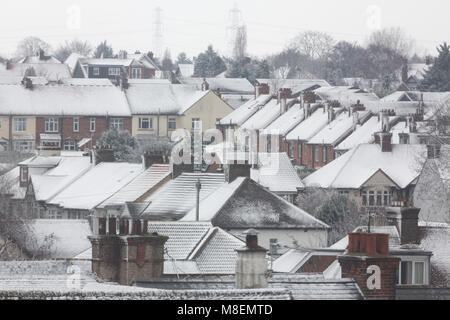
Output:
x=234 y=91
x=322 y=145
x=242 y=204
x=159 y=109
x=58 y=116
x=133 y=66
x=373 y=175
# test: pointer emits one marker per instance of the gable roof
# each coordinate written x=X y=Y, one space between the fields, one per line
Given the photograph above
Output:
x=164 y=98
x=139 y=186
x=286 y=122
x=178 y=196
x=49 y=71
x=225 y=85
x=72 y=97
x=309 y=126
x=245 y=111
x=356 y=166
x=276 y=172
x=296 y=85
x=265 y=116
x=239 y=205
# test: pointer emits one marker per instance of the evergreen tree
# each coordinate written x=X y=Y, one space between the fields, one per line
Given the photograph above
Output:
x=208 y=64
x=183 y=59
x=167 y=64
x=437 y=78
x=122 y=142
x=104 y=50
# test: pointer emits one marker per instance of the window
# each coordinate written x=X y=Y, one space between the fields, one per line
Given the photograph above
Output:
x=291 y=149
x=76 y=215
x=269 y=143
x=69 y=145
x=196 y=123
x=20 y=124
x=96 y=71
x=51 y=125
x=316 y=154
x=371 y=198
x=116 y=123
x=136 y=73
x=412 y=272
x=114 y=71
x=24 y=174
x=51 y=213
x=76 y=124
x=364 y=198
x=145 y=123
x=386 y=197
x=23 y=146
x=172 y=124
x=344 y=193
x=92 y=124
x=324 y=154
x=379 y=198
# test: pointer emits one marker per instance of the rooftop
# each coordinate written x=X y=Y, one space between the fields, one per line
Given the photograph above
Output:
x=245 y=111
x=309 y=126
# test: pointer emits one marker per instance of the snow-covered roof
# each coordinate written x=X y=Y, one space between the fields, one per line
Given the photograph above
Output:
x=139 y=186
x=210 y=248
x=236 y=100
x=286 y=122
x=225 y=85
x=63 y=99
x=68 y=238
x=96 y=185
x=245 y=111
x=186 y=69
x=72 y=61
x=154 y=98
x=417 y=70
x=309 y=126
x=296 y=85
x=276 y=172
x=265 y=116
x=338 y=128
x=244 y=203
x=178 y=196
x=363 y=133
x=355 y=167
x=50 y=71
x=346 y=95
x=108 y=62
x=289 y=261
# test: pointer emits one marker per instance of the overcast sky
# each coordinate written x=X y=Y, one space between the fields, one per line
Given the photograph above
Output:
x=190 y=25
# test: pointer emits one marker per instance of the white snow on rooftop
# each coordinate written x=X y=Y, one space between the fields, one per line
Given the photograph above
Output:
x=356 y=166
x=289 y=261
x=309 y=126
x=226 y=85
x=338 y=128
x=96 y=185
x=286 y=122
x=245 y=111
x=262 y=118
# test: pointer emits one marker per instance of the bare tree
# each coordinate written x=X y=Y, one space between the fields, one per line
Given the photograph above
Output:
x=314 y=44
x=83 y=48
x=393 y=38
x=30 y=46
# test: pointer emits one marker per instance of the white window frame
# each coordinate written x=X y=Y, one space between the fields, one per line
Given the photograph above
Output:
x=76 y=124
x=324 y=154
x=195 y=122
x=20 y=124
x=136 y=73
x=51 y=124
x=147 y=120
x=23 y=146
x=413 y=271
x=172 y=121
x=114 y=71
x=70 y=145
x=92 y=124
x=96 y=71
x=116 y=123
x=316 y=153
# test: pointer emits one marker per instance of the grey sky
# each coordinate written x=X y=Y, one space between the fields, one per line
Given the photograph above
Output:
x=191 y=25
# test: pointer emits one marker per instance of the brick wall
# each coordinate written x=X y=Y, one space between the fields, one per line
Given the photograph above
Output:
x=309 y=155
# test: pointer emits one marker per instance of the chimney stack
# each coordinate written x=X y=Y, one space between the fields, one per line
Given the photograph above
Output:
x=406 y=219
x=261 y=88
x=251 y=264
x=331 y=114
x=367 y=260
x=205 y=85
x=27 y=83
x=236 y=169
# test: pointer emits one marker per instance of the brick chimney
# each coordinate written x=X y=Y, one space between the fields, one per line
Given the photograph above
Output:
x=236 y=169
x=27 y=83
x=406 y=219
x=284 y=94
x=367 y=260
x=205 y=85
x=384 y=137
x=126 y=258
x=309 y=97
x=103 y=154
x=251 y=263
x=331 y=113
x=261 y=88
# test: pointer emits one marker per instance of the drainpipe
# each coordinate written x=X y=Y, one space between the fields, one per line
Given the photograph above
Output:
x=198 y=186
x=10 y=142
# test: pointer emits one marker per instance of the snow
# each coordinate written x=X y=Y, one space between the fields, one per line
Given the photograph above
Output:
x=356 y=166
x=296 y=85
x=63 y=99
x=225 y=85
x=309 y=126
x=96 y=185
x=289 y=261
x=68 y=237
x=346 y=95
x=49 y=71
x=154 y=98
x=186 y=69
x=245 y=111
x=276 y=172
x=286 y=122
x=338 y=128
x=72 y=61
x=262 y=118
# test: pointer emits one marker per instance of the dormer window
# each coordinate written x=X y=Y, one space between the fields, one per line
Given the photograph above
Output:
x=412 y=273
